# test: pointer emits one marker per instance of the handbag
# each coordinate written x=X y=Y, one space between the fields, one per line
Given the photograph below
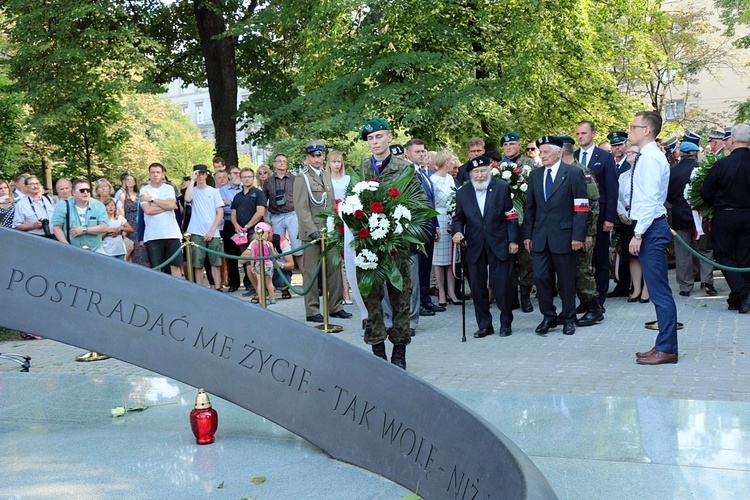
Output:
x=240 y=239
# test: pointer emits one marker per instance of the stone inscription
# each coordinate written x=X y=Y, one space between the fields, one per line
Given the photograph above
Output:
x=389 y=429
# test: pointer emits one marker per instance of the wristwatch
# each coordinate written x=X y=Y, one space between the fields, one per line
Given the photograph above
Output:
x=85 y=230
x=637 y=235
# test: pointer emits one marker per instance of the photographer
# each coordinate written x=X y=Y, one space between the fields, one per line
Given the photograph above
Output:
x=279 y=191
x=34 y=211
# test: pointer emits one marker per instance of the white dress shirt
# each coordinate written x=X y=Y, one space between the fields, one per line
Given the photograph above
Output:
x=650 y=183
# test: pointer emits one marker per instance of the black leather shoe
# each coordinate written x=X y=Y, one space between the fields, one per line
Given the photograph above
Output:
x=569 y=328
x=505 y=331
x=545 y=326
x=233 y=289
x=483 y=332
x=745 y=305
x=315 y=318
x=412 y=332
x=590 y=318
x=684 y=294
x=423 y=311
x=434 y=308
x=582 y=308
x=341 y=314
x=644 y=301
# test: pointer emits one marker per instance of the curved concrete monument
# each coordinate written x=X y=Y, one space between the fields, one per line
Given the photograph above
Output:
x=351 y=404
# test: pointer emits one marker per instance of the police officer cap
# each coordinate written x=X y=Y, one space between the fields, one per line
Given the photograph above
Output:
x=510 y=137
x=688 y=147
x=617 y=138
x=315 y=148
x=551 y=140
x=397 y=149
x=479 y=161
x=566 y=139
x=717 y=135
x=727 y=133
x=373 y=126
x=691 y=136
x=200 y=168
x=670 y=144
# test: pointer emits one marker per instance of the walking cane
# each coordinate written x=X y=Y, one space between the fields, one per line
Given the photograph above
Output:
x=463 y=293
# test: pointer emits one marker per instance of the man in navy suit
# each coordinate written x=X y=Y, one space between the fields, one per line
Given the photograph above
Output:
x=602 y=164
x=486 y=220
x=554 y=227
x=417 y=154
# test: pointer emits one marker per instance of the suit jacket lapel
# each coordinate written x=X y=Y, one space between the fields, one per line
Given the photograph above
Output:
x=489 y=197
x=562 y=173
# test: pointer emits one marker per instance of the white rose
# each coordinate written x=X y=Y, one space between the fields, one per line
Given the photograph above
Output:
x=523 y=187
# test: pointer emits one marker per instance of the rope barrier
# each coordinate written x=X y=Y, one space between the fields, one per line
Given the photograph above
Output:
x=169 y=260
x=706 y=259
x=274 y=257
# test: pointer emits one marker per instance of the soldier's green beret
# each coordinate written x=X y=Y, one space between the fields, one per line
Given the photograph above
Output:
x=373 y=126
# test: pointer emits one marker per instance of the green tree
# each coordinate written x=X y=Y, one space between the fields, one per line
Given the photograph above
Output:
x=11 y=117
x=73 y=61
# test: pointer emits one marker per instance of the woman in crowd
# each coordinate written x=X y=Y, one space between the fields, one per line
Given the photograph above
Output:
x=445 y=191
x=114 y=245
x=640 y=291
x=128 y=205
x=261 y=175
x=340 y=180
x=103 y=190
x=7 y=206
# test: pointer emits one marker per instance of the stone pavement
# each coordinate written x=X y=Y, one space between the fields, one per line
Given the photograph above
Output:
x=596 y=424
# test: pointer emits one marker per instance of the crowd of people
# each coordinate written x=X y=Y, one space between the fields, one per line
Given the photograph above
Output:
x=592 y=214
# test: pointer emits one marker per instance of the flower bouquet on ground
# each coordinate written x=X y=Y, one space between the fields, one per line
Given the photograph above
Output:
x=386 y=222
x=693 y=187
x=516 y=176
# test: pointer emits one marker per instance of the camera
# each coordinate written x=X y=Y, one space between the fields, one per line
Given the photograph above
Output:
x=280 y=199
x=45 y=228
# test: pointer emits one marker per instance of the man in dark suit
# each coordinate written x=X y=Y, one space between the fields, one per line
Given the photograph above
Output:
x=554 y=228
x=486 y=220
x=602 y=164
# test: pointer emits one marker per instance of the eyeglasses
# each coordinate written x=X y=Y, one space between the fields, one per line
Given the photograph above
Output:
x=530 y=149
x=631 y=152
x=633 y=125
x=84 y=190
x=247 y=177
x=33 y=184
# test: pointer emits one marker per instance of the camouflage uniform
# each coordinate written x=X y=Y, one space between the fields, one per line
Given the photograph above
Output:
x=375 y=330
x=585 y=283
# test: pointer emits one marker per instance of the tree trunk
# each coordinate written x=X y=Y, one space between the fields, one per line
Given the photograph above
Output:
x=221 y=72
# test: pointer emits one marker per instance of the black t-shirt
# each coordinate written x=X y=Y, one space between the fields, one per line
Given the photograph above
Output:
x=246 y=204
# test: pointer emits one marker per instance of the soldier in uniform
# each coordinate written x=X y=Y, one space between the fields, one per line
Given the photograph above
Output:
x=523 y=275
x=385 y=167
x=313 y=193
x=585 y=282
x=619 y=141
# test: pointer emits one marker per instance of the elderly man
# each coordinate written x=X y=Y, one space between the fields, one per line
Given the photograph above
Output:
x=651 y=235
x=64 y=189
x=486 y=220
x=279 y=191
x=313 y=194
x=727 y=188
x=554 y=228
x=34 y=209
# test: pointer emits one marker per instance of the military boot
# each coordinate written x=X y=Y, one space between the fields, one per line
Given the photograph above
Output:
x=379 y=350
x=526 y=305
x=398 y=356
x=593 y=314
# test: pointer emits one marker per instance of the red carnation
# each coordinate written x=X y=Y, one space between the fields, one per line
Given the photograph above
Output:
x=376 y=207
x=394 y=193
x=393 y=252
x=364 y=233
x=359 y=214
x=341 y=229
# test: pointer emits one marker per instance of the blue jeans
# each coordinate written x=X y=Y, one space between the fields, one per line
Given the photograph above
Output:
x=653 y=257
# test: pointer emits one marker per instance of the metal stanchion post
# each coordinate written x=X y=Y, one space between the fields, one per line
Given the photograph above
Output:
x=189 y=257
x=326 y=327
x=261 y=288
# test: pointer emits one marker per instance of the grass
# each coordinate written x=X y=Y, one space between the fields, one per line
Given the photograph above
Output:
x=8 y=334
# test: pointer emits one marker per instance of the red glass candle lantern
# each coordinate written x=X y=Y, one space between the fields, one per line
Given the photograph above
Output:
x=203 y=419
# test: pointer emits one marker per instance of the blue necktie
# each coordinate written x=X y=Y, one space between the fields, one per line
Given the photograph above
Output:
x=584 y=160
x=548 y=184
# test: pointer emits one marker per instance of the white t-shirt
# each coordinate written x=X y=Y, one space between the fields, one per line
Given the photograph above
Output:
x=164 y=225
x=113 y=245
x=204 y=204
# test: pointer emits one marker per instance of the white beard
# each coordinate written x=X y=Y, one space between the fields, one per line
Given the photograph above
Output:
x=480 y=186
